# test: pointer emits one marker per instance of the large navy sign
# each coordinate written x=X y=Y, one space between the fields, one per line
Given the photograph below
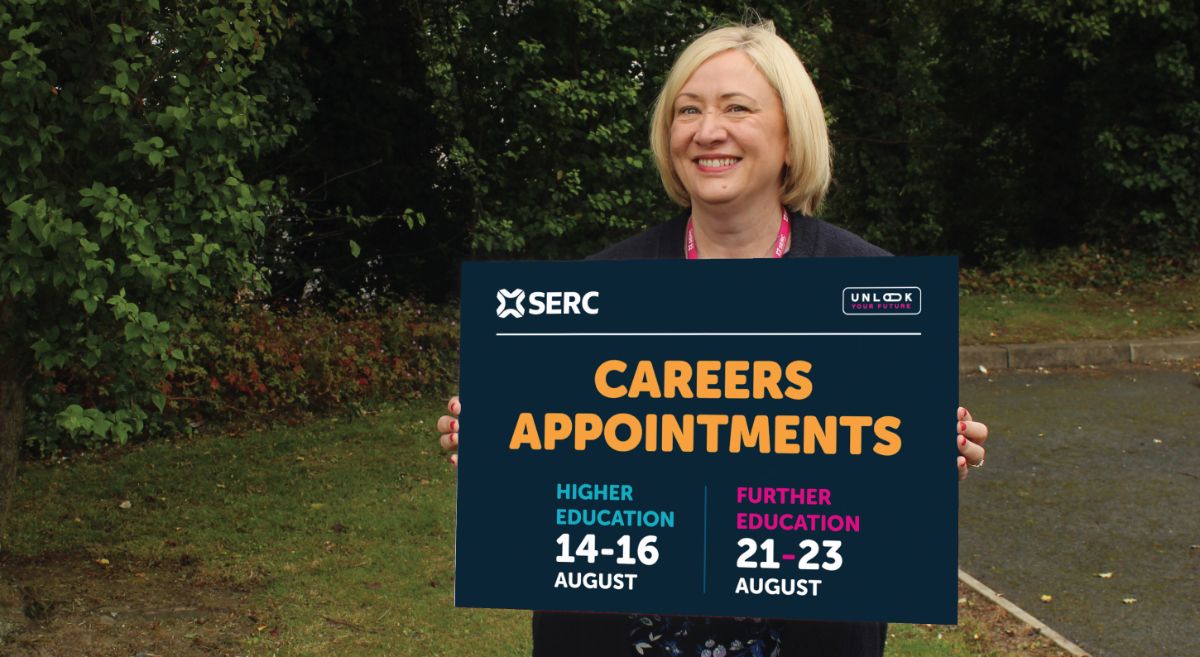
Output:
x=764 y=438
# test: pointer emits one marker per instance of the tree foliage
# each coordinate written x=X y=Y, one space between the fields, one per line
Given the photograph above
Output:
x=128 y=131
x=518 y=129
x=985 y=127
x=515 y=129
x=361 y=170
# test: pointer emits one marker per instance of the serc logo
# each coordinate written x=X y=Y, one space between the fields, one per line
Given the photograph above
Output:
x=512 y=304
x=513 y=310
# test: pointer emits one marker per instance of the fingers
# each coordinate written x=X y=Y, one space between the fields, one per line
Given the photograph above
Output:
x=972 y=452
x=447 y=424
x=976 y=432
x=448 y=427
x=970 y=439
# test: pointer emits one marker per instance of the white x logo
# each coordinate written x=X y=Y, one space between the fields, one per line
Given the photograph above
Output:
x=515 y=310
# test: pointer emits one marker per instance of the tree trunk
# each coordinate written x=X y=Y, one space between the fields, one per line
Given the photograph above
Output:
x=15 y=362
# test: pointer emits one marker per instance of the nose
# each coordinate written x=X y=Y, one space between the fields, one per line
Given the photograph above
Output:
x=711 y=129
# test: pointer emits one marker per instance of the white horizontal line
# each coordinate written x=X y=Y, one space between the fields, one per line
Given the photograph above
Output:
x=623 y=335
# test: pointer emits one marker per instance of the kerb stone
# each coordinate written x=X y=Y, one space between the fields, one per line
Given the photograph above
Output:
x=1069 y=354
x=991 y=357
x=1157 y=351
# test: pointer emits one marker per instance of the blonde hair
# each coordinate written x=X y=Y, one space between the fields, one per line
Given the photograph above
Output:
x=806 y=181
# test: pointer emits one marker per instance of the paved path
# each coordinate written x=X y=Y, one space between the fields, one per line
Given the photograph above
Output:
x=992 y=358
x=1091 y=471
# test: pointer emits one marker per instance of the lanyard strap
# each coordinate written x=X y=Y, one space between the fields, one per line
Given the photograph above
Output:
x=785 y=231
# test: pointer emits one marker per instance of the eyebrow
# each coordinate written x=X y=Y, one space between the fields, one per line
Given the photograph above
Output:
x=726 y=96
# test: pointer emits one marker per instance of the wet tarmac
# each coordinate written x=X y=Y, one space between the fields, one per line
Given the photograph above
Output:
x=1091 y=472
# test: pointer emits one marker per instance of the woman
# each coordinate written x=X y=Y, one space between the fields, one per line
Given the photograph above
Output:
x=739 y=138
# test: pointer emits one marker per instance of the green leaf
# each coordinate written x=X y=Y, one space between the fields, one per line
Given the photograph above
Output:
x=19 y=206
x=354 y=249
x=100 y=426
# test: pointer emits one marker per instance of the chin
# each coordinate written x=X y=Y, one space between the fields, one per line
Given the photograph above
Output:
x=713 y=197
x=719 y=202
x=723 y=201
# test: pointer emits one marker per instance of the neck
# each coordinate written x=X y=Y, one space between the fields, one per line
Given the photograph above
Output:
x=744 y=233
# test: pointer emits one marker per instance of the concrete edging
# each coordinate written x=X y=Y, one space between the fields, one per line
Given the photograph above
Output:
x=1075 y=354
x=1024 y=616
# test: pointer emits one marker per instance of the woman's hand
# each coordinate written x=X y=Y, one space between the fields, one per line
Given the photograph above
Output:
x=970 y=439
x=447 y=425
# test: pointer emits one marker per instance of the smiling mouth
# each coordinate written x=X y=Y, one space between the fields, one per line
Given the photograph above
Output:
x=717 y=162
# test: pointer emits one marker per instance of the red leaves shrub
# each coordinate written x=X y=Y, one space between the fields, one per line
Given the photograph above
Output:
x=246 y=362
x=251 y=360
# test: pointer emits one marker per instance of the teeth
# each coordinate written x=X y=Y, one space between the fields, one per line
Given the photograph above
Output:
x=724 y=162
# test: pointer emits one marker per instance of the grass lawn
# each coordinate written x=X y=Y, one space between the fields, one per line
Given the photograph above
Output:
x=330 y=538
x=1057 y=313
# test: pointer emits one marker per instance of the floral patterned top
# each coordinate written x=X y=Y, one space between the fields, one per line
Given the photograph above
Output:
x=677 y=636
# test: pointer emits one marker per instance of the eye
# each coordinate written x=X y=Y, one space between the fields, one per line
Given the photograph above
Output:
x=738 y=108
x=687 y=109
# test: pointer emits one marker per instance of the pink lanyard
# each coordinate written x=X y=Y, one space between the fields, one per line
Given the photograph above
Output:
x=785 y=231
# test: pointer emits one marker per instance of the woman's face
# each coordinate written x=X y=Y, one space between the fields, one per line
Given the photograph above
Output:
x=729 y=139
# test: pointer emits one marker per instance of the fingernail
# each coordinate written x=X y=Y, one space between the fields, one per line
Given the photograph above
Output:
x=454 y=460
x=962 y=441
x=457 y=408
x=962 y=413
x=454 y=439
x=454 y=425
x=962 y=462
x=962 y=426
